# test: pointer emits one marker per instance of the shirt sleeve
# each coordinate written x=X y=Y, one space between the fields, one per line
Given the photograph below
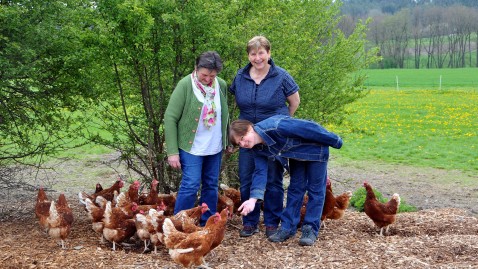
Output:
x=309 y=131
x=288 y=85
x=259 y=177
x=171 y=118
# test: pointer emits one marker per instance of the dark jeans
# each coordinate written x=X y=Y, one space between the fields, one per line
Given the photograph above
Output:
x=198 y=171
x=310 y=176
x=273 y=196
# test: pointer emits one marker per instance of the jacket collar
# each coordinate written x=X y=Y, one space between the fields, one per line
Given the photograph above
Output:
x=265 y=137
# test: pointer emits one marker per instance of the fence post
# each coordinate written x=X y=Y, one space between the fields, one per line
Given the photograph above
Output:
x=396 y=79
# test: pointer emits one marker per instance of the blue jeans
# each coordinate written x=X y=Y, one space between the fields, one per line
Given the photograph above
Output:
x=273 y=196
x=310 y=176
x=198 y=171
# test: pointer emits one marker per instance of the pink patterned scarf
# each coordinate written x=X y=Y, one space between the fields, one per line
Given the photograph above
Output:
x=208 y=91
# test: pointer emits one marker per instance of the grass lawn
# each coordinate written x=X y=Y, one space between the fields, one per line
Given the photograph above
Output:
x=432 y=128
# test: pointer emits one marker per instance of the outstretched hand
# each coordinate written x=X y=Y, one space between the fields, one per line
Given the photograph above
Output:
x=247 y=206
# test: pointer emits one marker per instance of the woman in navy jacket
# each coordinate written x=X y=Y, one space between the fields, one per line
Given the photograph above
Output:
x=263 y=89
x=305 y=145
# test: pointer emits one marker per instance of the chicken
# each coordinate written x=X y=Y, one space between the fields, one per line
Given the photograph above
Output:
x=334 y=206
x=133 y=195
x=42 y=209
x=157 y=237
x=382 y=214
x=98 y=188
x=108 y=194
x=129 y=209
x=145 y=227
x=234 y=194
x=117 y=226
x=303 y=210
x=96 y=214
x=60 y=220
x=168 y=201
x=194 y=213
x=189 y=249
x=152 y=197
x=225 y=202
x=219 y=228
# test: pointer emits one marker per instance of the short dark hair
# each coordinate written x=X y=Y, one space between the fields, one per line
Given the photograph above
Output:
x=209 y=60
x=238 y=128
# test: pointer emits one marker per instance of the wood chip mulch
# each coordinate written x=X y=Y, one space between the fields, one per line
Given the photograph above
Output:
x=441 y=238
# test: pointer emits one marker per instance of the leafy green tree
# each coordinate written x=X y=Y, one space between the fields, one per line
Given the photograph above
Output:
x=106 y=69
x=307 y=41
x=43 y=77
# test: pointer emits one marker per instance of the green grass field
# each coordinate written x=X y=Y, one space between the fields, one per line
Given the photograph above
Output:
x=425 y=79
x=432 y=128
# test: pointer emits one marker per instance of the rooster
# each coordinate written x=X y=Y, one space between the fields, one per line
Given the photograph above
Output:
x=334 y=206
x=382 y=214
x=60 y=220
x=189 y=249
x=234 y=194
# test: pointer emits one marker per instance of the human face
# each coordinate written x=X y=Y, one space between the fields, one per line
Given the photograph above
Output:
x=206 y=76
x=248 y=140
x=259 y=58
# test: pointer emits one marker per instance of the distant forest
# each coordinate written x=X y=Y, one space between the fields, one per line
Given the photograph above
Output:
x=418 y=33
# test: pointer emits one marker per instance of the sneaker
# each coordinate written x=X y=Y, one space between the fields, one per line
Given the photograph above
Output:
x=308 y=237
x=280 y=236
x=270 y=230
x=248 y=231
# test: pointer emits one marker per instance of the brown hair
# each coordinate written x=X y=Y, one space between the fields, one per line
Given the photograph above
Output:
x=238 y=128
x=258 y=42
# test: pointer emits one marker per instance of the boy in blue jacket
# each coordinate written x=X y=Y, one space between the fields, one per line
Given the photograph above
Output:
x=303 y=146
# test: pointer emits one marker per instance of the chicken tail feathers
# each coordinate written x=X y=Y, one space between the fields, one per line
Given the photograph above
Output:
x=82 y=196
x=168 y=227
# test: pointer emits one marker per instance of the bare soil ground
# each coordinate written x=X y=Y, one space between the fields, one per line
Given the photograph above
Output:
x=443 y=234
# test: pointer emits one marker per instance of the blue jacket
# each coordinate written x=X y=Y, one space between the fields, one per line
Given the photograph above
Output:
x=259 y=102
x=289 y=138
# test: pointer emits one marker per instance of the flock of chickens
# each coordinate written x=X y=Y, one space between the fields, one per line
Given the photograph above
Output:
x=117 y=216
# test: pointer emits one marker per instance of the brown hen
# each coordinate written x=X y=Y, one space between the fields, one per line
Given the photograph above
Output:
x=382 y=214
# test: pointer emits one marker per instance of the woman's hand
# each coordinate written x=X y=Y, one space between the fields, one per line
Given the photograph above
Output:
x=247 y=206
x=173 y=161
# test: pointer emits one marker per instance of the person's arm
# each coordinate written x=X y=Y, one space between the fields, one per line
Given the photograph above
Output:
x=293 y=100
x=258 y=186
x=310 y=131
x=171 y=118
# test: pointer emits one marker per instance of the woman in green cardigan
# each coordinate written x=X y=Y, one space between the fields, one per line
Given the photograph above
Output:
x=195 y=127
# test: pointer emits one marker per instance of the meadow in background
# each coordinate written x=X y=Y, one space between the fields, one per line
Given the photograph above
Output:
x=417 y=125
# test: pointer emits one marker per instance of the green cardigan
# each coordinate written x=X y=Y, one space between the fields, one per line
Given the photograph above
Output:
x=183 y=114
